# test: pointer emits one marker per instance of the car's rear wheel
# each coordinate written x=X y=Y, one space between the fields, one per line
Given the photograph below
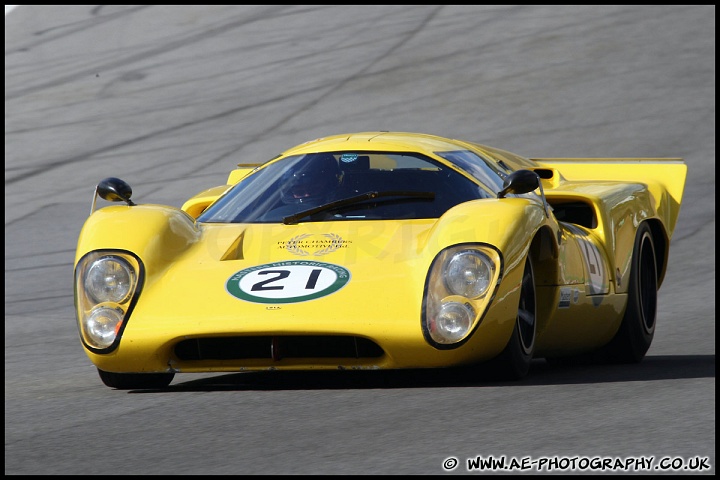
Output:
x=131 y=381
x=514 y=362
x=633 y=338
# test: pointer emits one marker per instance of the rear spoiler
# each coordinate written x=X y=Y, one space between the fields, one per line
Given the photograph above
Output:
x=665 y=177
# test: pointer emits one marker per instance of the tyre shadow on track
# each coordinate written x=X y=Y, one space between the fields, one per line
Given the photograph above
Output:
x=542 y=373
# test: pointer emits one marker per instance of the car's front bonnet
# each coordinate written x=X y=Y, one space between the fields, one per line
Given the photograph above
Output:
x=351 y=277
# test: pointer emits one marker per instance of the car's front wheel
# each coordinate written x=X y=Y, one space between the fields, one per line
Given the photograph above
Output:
x=514 y=362
x=132 y=381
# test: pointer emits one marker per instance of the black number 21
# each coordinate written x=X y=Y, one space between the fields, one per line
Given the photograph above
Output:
x=280 y=274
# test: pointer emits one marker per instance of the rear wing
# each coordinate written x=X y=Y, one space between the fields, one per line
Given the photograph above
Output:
x=665 y=177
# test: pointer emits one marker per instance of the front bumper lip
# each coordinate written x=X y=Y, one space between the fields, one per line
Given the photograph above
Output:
x=306 y=350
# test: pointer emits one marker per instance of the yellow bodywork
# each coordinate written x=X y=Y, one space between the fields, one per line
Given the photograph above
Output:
x=187 y=265
x=184 y=293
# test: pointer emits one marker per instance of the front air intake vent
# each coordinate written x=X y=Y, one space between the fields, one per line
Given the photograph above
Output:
x=277 y=347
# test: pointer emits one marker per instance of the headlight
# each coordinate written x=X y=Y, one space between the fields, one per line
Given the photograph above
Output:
x=460 y=286
x=109 y=279
x=102 y=325
x=106 y=287
x=468 y=273
x=453 y=322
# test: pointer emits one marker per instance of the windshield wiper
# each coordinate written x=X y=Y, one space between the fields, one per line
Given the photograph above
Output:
x=290 y=219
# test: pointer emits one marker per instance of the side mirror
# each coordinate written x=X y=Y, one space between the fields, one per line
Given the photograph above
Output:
x=524 y=181
x=520 y=181
x=113 y=190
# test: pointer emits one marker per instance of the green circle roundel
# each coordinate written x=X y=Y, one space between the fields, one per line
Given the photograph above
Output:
x=290 y=281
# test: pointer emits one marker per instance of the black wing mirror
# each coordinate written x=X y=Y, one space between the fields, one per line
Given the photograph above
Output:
x=520 y=181
x=523 y=181
x=113 y=190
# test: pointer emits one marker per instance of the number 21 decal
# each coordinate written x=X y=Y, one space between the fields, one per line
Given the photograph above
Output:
x=287 y=282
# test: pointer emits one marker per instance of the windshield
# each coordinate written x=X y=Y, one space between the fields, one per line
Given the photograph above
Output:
x=301 y=183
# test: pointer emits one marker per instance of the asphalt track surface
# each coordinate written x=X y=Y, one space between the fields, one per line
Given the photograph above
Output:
x=170 y=98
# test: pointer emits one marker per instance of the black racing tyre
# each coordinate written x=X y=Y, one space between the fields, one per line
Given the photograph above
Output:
x=633 y=338
x=514 y=361
x=132 y=381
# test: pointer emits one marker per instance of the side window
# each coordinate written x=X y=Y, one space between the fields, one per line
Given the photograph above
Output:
x=477 y=167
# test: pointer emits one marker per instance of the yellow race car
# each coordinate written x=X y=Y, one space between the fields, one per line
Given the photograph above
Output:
x=379 y=250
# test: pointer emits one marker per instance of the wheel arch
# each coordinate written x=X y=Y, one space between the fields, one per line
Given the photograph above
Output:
x=661 y=244
x=543 y=253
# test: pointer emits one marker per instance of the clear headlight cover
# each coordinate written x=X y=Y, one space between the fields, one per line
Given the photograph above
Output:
x=106 y=282
x=109 y=279
x=461 y=283
x=453 y=322
x=468 y=273
x=102 y=326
